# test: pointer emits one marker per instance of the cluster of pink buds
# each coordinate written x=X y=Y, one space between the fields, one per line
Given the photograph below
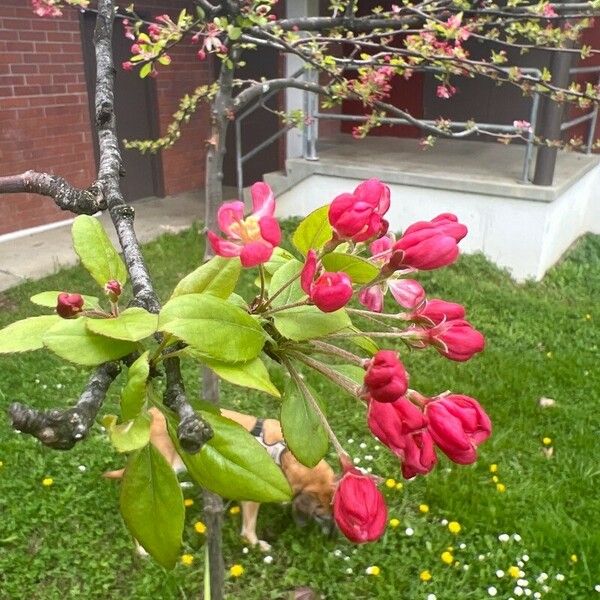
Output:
x=210 y=36
x=46 y=8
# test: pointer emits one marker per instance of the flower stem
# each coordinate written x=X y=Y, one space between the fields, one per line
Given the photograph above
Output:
x=342 y=381
x=285 y=307
x=325 y=348
x=281 y=289
x=315 y=406
x=261 y=271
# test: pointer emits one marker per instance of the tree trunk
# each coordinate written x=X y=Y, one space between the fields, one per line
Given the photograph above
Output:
x=213 y=504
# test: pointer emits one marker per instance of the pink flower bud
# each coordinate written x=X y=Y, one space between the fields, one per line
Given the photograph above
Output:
x=127 y=65
x=419 y=454
x=408 y=293
x=136 y=49
x=201 y=54
x=437 y=311
x=446 y=223
x=425 y=249
x=457 y=340
x=113 y=289
x=458 y=424
x=359 y=216
x=386 y=379
x=372 y=298
x=68 y=305
x=359 y=508
x=331 y=291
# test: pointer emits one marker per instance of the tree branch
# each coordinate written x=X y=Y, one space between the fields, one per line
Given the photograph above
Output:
x=67 y=197
x=62 y=429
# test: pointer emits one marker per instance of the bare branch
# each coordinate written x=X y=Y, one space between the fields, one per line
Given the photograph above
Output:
x=62 y=429
x=67 y=197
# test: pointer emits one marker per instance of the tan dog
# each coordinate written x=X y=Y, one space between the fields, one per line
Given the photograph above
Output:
x=312 y=488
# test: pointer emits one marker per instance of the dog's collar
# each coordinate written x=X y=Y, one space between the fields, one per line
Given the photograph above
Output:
x=275 y=450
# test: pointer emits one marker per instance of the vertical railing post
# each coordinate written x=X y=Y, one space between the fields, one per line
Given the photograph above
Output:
x=535 y=105
x=312 y=125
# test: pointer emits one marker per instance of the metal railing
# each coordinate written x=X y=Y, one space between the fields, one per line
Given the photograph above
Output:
x=591 y=116
x=241 y=158
x=313 y=115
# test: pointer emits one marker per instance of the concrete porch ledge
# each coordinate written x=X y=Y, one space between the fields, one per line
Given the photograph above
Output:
x=523 y=228
x=485 y=168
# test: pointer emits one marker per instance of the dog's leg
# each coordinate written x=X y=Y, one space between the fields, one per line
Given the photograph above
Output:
x=249 y=517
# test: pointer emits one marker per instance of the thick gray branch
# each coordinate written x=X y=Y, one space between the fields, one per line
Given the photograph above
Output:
x=62 y=429
x=192 y=432
x=67 y=197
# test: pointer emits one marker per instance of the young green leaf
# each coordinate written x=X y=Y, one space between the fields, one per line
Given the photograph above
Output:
x=152 y=505
x=25 y=335
x=302 y=428
x=218 y=277
x=358 y=269
x=132 y=325
x=132 y=434
x=96 y=251
x=252 y=374
x=214 y=327
x=71 y=340
x=234 y=465
x=314 y=231
x=133 y=394
x=50 y=299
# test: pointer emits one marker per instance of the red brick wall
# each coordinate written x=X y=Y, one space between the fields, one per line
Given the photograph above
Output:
x=44 y=115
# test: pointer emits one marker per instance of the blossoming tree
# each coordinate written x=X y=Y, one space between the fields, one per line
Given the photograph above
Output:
x=320 y=307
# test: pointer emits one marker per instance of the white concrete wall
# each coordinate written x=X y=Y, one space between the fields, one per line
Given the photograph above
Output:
x=524 y=236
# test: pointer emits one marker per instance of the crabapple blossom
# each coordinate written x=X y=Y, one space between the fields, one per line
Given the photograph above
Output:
x=69 y=305
x=386 y=379
x=328 y=291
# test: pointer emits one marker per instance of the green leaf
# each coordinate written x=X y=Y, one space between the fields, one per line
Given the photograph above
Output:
x=27 y=334
x=132 y=434
x=214 y=327
x=71 y=340
x=314 y=231
x=145 y=70
x=358 y=269
x=302 y=322
x=304 y=434
x=152 y=505
x=351 y=372
x=234 y=465
x=362 y=341
x=96 y=251
x=252 y=374
x=132 y=325
x=50 y=299
x=279 y=258
x=234 y=33
x=133 y=394
x=218 y=277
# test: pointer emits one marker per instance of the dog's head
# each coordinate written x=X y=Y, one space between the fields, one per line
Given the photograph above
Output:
x=313 y=493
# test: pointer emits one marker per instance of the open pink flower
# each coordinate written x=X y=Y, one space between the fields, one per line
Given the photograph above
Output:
x=327 y=291
x=359 y=216
x=252 y=238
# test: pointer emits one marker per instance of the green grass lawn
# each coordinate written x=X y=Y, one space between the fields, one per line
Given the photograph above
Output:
x=67 y=540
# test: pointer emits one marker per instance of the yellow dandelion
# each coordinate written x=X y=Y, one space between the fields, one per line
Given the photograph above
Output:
x=454 y=527
x=573 y=558
x=187 y=560
x=547 y=441
x=399 y=485
x=494 y=468
x=447 y=557
x=424 y=508
x=501 y=487
x=236 y=571
x=495 y=479
x=188 y=502
x=200 y=527
x=234 y=510
x=425 y=575
x=394 y=523
x=374 y=570
x=514 y=572
x=47 y=481
x=588 y=317
x=391 y=483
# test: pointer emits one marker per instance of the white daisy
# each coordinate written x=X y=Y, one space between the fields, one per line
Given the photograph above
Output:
x=409 y=531
x=492 y=591
x=504 y=537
